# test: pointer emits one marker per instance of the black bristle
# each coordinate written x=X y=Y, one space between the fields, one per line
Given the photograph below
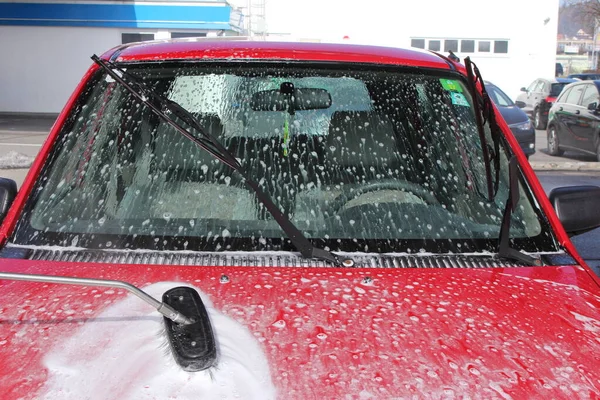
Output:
x=193 y=345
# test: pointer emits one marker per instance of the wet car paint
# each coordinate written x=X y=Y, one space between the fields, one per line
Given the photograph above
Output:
x=331 y=332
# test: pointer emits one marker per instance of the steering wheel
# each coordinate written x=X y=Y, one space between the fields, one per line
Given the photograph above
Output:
x=404 y=186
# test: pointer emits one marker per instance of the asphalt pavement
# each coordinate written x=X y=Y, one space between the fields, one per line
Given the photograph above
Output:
x=569 y=161
x=21 y=137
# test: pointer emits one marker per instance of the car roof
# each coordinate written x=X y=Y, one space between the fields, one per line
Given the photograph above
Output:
x=557 y=80
x=586 y=82
x=184 y=49
x=563 y=80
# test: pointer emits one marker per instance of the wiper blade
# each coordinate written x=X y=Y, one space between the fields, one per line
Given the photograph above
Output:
x=473 y=77
x=504 y=249
x=157 y=103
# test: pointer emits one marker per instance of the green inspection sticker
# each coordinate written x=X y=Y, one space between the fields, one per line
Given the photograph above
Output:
x=459 y=99
x=451 y=85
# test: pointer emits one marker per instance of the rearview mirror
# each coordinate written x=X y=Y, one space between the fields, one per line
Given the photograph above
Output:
x=8 y=192
x=523 y=89
x=295 y=100
x=577 y=208
x=520 y=104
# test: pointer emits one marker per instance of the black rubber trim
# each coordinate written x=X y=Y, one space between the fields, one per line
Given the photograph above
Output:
x=443 y=57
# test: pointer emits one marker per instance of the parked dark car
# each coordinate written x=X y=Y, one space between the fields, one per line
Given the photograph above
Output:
x=591 y=76
x=517 y=120
x=574 y=120
x=538 y=97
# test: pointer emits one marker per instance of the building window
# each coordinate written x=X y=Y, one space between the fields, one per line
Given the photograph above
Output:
x=501 y=46
x=435 y=45
x=176 y=35
x=451 y=45
x=418 y=43
x=484 y=46
x=136 y=37
x=467 y=46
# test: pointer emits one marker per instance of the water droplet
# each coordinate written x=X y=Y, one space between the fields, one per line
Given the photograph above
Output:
x=279 y=324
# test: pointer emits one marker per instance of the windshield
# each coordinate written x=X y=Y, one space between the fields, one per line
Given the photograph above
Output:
x=556 y=88
x=391 y=164
x=498 y=96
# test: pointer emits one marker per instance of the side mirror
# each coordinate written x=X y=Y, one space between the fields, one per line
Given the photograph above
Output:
x=520 y=104
x=523 y=89
x=577 y=208
x=593 y=107
x=8 y=192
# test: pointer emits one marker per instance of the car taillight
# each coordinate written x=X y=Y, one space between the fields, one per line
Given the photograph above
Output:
x=550 y=99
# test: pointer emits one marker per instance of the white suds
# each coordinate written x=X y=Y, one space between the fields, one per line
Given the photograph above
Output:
x=123 y=354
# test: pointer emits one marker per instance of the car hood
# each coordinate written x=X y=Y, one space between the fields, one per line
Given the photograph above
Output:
x=513 y=115
x=301 y=333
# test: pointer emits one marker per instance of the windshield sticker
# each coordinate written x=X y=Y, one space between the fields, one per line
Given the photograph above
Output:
x=459 y=99
x=451 y=85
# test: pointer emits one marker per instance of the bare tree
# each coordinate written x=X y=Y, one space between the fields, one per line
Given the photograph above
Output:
x=587 y=10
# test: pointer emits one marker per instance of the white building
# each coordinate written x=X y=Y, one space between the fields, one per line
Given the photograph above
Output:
x=513 y=42
x=46 y=44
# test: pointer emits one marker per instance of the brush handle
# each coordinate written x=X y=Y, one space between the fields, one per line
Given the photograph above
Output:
x=161 y=307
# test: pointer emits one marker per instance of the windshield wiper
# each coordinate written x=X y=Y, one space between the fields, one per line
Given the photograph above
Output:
x=504 y=249
x=481 y=118
x=157 y=103
x=484 y=113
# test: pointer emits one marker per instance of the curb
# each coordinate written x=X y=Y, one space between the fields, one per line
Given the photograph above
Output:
x=29 y=115
x=32 y=132
x=565 y=166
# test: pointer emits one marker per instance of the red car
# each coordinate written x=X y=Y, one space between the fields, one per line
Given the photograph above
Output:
x=312 y=221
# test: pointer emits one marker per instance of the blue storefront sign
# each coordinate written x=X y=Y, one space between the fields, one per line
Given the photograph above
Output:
x=180 y=16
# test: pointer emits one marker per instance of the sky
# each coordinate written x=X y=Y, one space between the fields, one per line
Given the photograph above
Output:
x=373 y=19
x=317 y=18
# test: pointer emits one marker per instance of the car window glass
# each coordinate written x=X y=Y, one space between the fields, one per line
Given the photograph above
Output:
x=498 y=97
x=563 y=95
x=556 y=89
x=539 y=87
x=393 y=163
x=590 y=95
x=215 y=94
x=532 y=86
x=575 y=95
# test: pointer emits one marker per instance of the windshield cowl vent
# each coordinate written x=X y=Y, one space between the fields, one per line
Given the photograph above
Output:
x=257 y=259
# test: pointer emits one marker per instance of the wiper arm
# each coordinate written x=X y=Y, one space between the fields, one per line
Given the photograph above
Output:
x=157 y=103
x=505 y=250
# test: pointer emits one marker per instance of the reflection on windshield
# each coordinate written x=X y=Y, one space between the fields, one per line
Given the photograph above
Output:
x=393 y=163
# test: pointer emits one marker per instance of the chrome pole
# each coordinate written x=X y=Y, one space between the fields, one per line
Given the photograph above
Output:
x=161 y=307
